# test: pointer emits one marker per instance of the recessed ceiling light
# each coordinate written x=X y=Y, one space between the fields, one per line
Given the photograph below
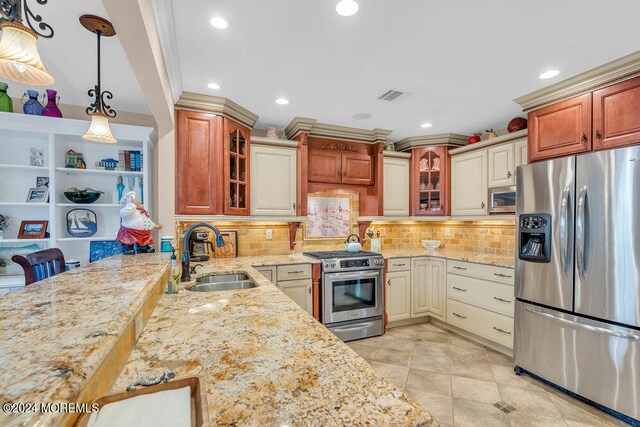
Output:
x=347 y=7
x=213 y=86
x=549 y=74
x=426 y=125
x=282 y=101
x=219 y=23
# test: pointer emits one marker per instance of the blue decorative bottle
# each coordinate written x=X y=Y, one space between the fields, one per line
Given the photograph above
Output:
x=120 y=188
x=32 y=105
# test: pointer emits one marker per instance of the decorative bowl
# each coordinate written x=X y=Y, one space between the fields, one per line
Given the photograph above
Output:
x=83 y=197
x=431 y=245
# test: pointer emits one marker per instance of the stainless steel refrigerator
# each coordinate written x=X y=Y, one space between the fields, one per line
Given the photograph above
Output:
x=577 y=315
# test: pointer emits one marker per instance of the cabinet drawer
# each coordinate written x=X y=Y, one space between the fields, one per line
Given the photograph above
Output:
x=294 y=272
x=399 y=264
x=490 y=295
x=483 y=271
x=268 y=272
x=492 y=326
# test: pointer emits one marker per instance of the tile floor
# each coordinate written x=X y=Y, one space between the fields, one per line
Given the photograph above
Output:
x=466 y=384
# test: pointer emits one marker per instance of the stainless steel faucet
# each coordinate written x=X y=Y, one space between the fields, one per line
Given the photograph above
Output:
x=186 y=273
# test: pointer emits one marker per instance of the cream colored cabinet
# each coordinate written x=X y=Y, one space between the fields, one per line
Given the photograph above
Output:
x=398 y=295
x=428 y=291
x=269 y=273
x=273 y=180
x=396 y=186
x=469 y=183
x=521 y=152
x=300 y=292
x=502 y=165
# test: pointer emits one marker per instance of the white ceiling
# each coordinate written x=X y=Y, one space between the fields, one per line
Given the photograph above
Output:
x=460 y=62
x=70 y=56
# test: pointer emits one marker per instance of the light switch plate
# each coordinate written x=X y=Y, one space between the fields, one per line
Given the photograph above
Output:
x=447 y=232
x=269 y=234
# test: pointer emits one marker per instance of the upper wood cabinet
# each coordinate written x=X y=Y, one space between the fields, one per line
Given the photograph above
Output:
x=502 y=170
x=396 y=186
x=561 y=129
x=273 y=180
x=469 y=183
x=340 y=167
x=212 y=165
x=430 y=181
x=616 y=115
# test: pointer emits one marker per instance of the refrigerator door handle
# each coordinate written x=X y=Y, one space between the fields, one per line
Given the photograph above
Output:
x=582 y=233
x=566 y=227
x=582 y=325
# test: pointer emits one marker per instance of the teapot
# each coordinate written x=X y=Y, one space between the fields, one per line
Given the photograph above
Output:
x=352 y=246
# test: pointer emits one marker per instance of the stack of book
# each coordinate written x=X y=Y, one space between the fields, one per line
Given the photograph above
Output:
x=130 y=160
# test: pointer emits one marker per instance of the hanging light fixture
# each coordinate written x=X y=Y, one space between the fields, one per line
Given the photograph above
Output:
x=99 y=110
x=19 y=57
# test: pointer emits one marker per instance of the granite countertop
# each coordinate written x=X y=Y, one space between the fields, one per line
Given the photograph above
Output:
x=479 y=258
x=264 y=360
x=55 y=333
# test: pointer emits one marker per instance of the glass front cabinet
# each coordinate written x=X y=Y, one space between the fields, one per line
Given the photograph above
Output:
x=236 y=169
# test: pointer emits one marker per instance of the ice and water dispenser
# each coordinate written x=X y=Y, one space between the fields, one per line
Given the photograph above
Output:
x=535 y=237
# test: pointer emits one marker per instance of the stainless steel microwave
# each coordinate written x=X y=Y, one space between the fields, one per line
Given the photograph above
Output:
x=502 y=200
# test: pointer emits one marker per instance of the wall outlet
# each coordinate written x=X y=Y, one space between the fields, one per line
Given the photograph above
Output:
x=138 y=325
x=447 y=232
x=269 y=234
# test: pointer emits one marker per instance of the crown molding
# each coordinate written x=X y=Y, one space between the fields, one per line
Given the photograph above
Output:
x=323 y=130
x=282 y=143
x=449 y=139
x=613 y=72
x=165 y=26
x=190 y=101
x=502 y=139
x=396 y=154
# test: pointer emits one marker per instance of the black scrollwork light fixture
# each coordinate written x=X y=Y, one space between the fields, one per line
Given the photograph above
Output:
x=19 y=57
x=99 y=110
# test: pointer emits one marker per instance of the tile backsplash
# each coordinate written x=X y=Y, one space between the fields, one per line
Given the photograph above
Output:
x=489 y=237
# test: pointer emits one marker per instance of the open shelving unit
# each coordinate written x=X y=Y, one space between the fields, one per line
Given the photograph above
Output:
x=54 y=137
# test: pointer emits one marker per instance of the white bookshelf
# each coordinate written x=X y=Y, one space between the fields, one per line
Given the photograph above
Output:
x=54 y=137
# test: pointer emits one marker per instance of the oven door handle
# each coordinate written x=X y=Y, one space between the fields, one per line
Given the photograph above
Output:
x=332 y=277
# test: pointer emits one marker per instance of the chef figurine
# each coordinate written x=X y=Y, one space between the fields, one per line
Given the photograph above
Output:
x=136 y=228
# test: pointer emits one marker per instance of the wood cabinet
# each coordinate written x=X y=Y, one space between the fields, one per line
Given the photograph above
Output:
x=428 y=287
x=340 y=167
x=469 y=183
x=616 y=117
x=299 y=291
x=396 y=186
x=429 y=172
x=502 y=165
x=273 y=180
x=561 y=129
x=398 y=295
x=212 y=165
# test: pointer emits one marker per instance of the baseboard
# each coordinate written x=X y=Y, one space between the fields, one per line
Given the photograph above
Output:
x=473 y=337
x=408 y=322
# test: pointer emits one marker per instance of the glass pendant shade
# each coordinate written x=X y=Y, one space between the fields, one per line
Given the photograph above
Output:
x=99 y=130
x=19 y=57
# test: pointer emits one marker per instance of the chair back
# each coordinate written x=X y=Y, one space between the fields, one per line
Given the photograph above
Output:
x=40 y=265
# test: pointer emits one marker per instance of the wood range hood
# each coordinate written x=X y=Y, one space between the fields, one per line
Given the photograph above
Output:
x=337 y=159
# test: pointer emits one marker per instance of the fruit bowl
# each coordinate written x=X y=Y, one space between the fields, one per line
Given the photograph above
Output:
x=83 y=197
x=431 y=245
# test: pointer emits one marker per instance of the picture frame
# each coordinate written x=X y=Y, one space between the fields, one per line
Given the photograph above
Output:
x=101 y=249
x=330 y=217
x=230 y=248
x=42 y=181
x=33 y=229
x=82 y=223
x=38 y=195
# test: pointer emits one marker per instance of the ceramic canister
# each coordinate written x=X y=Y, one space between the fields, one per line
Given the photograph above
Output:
x=166 y=244
x=72 y=264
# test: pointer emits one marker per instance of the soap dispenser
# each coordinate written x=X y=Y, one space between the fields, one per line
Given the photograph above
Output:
x=174 y=280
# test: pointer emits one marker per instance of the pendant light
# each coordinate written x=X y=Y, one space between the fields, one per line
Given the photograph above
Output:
x=99 y=110
x=19 y=57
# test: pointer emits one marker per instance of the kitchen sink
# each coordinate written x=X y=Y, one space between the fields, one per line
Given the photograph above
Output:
x=222 y=282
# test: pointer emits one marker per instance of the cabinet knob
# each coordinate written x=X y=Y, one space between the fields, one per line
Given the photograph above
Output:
x=294 y=205
x=598 y=135
x=309 y=290
x=508 y=174
x=482 y=205
x=389 y=282
x=584 y=137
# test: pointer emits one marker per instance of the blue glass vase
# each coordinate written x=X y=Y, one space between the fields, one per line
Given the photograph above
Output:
x=32 y=105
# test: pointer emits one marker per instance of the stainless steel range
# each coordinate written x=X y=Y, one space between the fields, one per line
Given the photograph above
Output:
x=352 y=300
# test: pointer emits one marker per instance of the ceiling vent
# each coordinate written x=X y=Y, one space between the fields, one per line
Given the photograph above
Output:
x=390 y=95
